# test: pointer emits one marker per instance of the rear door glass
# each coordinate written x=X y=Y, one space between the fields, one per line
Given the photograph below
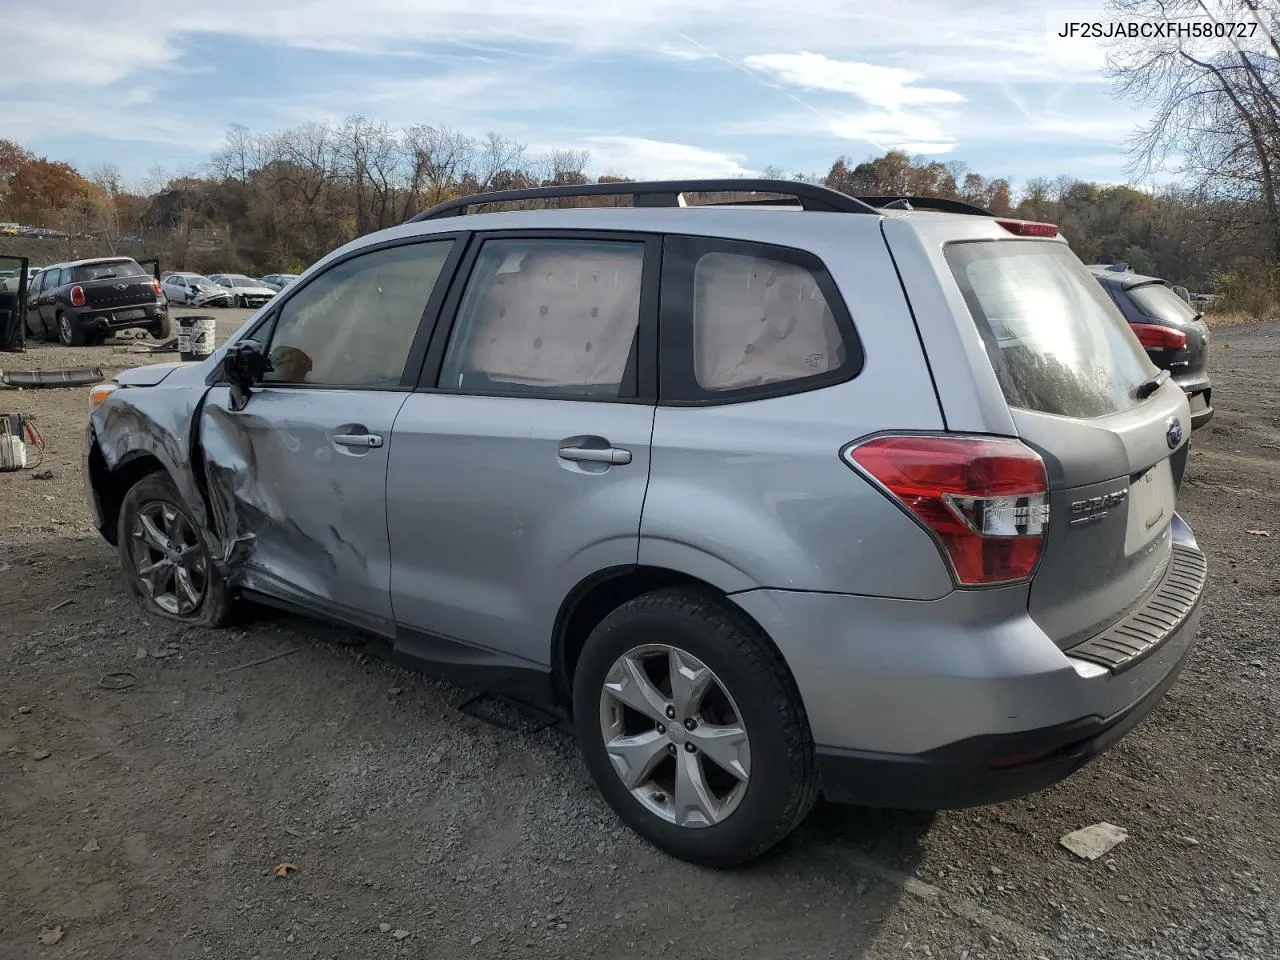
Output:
x=1161 y=303
x=106 y=271
x=1055 y=340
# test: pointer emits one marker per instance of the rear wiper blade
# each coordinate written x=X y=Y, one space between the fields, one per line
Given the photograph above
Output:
x=1148 y=387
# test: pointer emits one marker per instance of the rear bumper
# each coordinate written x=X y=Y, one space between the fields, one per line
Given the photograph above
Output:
x=1199 y=390
x=980 y=770
x=97 y=320
x=1201 y=407
x=958 y=701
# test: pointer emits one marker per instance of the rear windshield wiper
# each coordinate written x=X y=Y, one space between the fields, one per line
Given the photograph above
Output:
x=1148 y=387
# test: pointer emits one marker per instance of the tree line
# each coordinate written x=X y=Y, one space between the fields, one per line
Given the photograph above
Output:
x=277 y=201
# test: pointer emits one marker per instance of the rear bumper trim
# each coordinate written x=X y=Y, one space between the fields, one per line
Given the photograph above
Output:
x=980 y=770
x=1138 y=634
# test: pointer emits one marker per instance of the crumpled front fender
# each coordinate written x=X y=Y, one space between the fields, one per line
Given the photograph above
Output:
x=156 y=421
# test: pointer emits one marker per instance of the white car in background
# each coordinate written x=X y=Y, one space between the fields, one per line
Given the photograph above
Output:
x=245 y=291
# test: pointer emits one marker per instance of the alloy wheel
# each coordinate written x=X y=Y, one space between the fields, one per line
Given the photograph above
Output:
x=168 y=558
x=674 y=735
x=65 y=331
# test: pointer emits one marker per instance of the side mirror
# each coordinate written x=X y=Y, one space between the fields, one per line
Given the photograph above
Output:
x=243 y=365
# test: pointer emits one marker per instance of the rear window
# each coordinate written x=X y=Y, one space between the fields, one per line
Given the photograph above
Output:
x=1055 y=340
x=1159 y=301
x=105 y=271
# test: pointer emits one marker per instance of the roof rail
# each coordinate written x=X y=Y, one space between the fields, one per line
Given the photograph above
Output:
x=660 y=193
x=941 y=204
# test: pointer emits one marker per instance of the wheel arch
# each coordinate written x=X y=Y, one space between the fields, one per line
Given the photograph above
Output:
x=598 y=595
x=112 y=485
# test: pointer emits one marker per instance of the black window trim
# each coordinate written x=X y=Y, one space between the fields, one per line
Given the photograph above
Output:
x=427 y=322
x=642 y=364
x=679 y=385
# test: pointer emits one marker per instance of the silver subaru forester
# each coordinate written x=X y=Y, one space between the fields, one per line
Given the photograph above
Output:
x=768 y=498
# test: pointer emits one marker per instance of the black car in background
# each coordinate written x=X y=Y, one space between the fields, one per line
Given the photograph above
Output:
x=82 y=302
x=1172 y=331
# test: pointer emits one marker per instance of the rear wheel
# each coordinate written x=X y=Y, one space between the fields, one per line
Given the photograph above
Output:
x=692 y=728
x=161 y=327
x=70 y=331
x=164 y=556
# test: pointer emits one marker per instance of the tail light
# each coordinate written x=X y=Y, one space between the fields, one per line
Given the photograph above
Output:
x=1155 y=337
x=155 y=285
x=1029 y=228
x=77 y=296
x=984 y=499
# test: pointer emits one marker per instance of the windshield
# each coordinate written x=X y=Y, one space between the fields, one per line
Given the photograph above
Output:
x=105 y=271
x=243 y=282
x=1159 y=301
x=1056 y=341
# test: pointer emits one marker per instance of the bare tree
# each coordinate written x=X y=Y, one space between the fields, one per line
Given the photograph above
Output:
x=368 y=156
x=496 y=155
x=438 y=159
x=566 y=167
x=1216 y=105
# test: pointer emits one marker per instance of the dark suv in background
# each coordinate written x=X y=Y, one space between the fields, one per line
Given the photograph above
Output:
x=83 y=302
x=1170 y=329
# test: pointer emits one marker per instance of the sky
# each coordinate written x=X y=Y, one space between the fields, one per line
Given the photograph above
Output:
x=651 y=88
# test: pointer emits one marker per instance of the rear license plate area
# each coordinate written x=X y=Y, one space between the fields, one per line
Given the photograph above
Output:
x=129 y=314
x=1151 y=501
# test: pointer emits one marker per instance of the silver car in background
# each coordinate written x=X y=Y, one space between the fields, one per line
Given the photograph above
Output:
x=196 y=290
x=278 y=281
x=870 y=498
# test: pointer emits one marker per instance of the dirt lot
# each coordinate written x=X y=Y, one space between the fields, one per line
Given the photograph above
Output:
x=146 y=822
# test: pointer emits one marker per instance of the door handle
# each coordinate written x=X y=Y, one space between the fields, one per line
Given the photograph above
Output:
x=367 y=440
x=613 y=455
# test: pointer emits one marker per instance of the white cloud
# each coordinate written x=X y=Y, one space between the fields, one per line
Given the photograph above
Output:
x=659 y=160
x=927 y=80
x=888 y=87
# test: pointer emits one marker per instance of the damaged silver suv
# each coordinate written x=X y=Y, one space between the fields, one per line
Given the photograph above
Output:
x=769 y=498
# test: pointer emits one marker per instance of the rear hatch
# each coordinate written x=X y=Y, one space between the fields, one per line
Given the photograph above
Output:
x=115 y=285
x=1157 y=303
x=1081 y=392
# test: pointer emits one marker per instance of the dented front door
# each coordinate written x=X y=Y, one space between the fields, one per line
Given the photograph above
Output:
x=297 y=480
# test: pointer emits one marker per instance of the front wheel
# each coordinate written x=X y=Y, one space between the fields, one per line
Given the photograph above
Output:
x=165 y=559
x=693 y=729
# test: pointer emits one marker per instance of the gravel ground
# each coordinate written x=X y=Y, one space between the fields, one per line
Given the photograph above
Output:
x=149 y=821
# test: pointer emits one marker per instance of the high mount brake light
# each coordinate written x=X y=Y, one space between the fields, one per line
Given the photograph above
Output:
x=985 y=499
x=1029 y=228
x=1155 y=337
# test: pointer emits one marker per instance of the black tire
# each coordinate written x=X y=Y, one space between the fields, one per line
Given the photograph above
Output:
x=161 y=327
x=240 y=303
x=216 y=603
x=783 y=783
x=71 y=331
